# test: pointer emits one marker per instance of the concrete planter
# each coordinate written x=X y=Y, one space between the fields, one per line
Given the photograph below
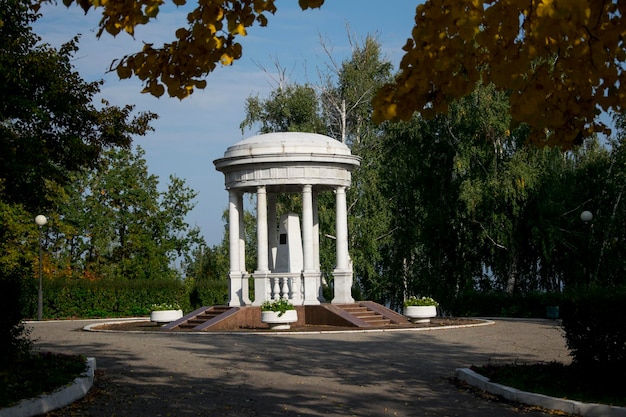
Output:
x=420 y=314
x=279 y=323
x=165 y=316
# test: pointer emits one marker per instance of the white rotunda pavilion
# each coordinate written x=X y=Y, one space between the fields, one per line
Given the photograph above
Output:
x=287 y=248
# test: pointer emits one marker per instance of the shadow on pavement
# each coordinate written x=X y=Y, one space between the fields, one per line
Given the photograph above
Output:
x=361 y=374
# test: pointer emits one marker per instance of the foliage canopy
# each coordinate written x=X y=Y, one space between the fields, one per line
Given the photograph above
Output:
x=49 y=125
x=561 y=62
x=49 y=128
x=114 y=222
x=209 y=38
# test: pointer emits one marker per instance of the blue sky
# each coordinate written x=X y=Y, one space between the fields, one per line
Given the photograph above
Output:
x=190 y=134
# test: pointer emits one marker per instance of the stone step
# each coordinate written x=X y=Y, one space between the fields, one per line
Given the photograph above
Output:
x=203 y=317
x=356 y=310
x=379 y=322
x=363 y=313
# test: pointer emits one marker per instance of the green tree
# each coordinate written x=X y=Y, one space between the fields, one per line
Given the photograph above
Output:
x=120 y=225
x=456 y=203
x=347 y=90
x=290 y=108
x=49 y=128
x=600 y=182
x=476 y=208
x=421 y=257
x=347 y=108
x=206 y=275
x=208 y=267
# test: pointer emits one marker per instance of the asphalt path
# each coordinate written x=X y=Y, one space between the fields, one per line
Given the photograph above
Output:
x=407 y=373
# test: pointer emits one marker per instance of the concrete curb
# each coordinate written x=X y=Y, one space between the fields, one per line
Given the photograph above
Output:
x=57 y=399
x=550 y=403
x=94 y=328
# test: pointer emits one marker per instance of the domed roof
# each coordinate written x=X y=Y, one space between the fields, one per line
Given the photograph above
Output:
x=286 y=142
x=286 y=160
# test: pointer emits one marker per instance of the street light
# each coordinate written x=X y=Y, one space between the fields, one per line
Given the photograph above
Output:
x=41 y=221
x=586 y=216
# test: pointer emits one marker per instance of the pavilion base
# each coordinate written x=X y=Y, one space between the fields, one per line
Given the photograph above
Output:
x=362 y=314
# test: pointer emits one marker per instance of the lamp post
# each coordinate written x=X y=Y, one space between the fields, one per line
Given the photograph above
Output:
x=41 y=220
x=586 y=216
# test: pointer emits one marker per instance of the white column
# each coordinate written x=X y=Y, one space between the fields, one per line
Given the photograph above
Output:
x=242 y=234
x=272 y=226
x=308 y=269
x=343 y=272
x=261 y=229
x=261 y=282
x=319 y=285
x=316 y=235
x=342 y=229
x=245 y=291
x=234 y=289
x=311 y=276
x=307 y=228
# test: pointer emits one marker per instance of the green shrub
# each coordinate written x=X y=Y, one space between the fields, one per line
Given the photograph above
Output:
x=279 y=306
x=413 y=301
x=67 y=298
x=208 y=293
x=501 y=304
x=14 y=337
x=593 y=321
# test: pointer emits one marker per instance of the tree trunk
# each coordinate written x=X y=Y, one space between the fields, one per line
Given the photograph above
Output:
x=513 y=272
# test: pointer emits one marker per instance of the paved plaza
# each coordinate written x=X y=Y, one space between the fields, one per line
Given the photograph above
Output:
x=404 y=373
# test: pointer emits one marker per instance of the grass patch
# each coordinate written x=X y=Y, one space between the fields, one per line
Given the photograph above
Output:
x=38 y=374
x=562 y=381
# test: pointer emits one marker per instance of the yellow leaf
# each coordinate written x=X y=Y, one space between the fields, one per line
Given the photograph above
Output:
x=152 y=10
x=310 y=4
x=84 y=4
x=236 y=28
x=226 y=59
x=182 y=33
x=158 y=90
x=123 y=72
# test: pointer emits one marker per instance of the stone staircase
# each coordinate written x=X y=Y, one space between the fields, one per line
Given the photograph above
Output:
x=372 y=318
x=197 y=319
x=371 y=314
x=363 y=314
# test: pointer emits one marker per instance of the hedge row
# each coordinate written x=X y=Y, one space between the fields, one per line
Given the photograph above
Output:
x=500 y=304
x=67 y=298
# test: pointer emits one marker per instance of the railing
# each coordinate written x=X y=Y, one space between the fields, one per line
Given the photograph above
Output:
x=285 y=285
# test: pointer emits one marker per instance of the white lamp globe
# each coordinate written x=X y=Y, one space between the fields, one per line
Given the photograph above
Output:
x=41 y=220
x=586 y=216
